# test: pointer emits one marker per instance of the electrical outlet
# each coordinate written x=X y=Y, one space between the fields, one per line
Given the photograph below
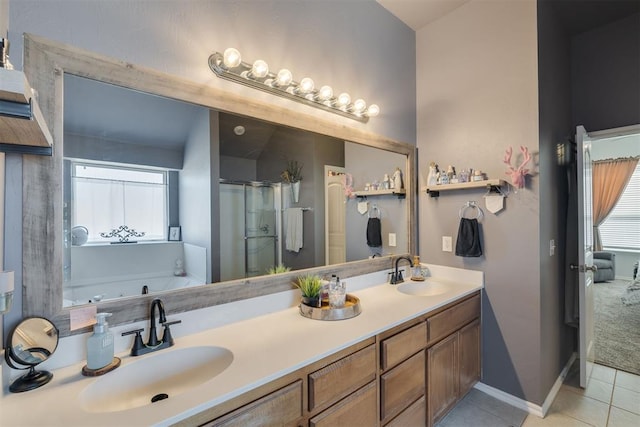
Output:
x=447 y=244
x=552 y=247
x=392 y=239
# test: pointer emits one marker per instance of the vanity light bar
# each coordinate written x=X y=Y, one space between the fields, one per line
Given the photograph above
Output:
x=229 y=66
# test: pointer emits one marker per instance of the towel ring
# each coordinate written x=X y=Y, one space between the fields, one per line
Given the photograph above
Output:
x=375 y=211
x=472 y=205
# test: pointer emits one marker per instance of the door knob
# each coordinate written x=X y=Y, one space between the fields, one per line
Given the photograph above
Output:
x=583 y=268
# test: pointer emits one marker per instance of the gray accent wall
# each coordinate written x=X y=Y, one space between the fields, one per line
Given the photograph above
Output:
x=554 y=98
x=605 y=65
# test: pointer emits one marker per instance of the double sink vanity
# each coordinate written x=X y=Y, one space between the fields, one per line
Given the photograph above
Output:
x=411 y=354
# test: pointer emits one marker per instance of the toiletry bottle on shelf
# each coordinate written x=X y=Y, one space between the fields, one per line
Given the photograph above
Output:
x=416 y=270
x=100 y=344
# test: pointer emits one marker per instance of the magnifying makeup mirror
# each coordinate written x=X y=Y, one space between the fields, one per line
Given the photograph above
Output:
x=30 y=343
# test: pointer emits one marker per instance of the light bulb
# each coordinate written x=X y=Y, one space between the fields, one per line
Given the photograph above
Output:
x=343 y=99
x=325 y=93
x=231 y=58
x=359 y=105
x=260 y=69
x=306 y=85
x=373 y=110
x=284 y=77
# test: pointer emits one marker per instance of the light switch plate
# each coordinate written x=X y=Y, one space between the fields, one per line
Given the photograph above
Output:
x=447 y=244
x=392 y=239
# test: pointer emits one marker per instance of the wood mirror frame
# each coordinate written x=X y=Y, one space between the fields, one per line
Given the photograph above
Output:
x=45 y=63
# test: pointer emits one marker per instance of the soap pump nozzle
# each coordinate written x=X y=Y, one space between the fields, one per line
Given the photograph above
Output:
x=101 y=323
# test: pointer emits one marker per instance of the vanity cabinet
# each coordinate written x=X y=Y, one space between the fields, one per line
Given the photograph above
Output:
x=429 y=364
x=453 y=363
x=410 y=375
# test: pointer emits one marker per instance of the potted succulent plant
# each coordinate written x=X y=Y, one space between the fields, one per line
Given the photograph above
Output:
x=277 y=269
x=310 y=285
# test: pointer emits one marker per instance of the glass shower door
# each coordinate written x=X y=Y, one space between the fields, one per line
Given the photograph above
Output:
x=261 y=235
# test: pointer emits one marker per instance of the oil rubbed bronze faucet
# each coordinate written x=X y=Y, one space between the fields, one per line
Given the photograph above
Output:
x=396 y=276
x=153 y=344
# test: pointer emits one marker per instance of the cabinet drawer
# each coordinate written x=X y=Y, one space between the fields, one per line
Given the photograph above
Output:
x=282 y=407
x=337 y=380
x=402 y=385
x=452 y=319
x=359 y=409
x=403 y=344
x=414 y=415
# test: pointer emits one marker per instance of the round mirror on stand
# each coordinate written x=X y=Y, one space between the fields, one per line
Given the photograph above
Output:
x=30 y=343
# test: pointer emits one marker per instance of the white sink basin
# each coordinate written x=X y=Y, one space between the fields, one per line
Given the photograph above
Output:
x=425 y=289
x=168 y=372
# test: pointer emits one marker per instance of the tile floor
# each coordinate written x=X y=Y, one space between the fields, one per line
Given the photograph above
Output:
x=611 y=399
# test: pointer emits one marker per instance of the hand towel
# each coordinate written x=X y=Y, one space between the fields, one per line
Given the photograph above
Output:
x=468 y=242
x=374 y=232
x=293 y=219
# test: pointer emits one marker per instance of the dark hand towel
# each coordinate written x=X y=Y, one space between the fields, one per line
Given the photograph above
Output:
x=374 y=232
x=468 y=243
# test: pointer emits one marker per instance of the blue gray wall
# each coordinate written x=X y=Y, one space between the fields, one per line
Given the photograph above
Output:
x=353 y=46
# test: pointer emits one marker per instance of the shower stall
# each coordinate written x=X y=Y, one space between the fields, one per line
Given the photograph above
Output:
x=250 y=228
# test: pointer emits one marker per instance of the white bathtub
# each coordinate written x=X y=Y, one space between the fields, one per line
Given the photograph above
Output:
x=89 y=293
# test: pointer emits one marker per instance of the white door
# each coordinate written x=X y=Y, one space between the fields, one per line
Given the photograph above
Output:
x=585 y=266
x=335 y=241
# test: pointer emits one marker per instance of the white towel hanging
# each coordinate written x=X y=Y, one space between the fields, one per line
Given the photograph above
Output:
x=294 y=228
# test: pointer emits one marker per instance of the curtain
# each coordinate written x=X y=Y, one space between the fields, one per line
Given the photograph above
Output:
x=610 y=178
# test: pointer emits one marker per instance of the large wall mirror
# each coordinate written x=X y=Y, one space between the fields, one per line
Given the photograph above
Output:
x=161 y=187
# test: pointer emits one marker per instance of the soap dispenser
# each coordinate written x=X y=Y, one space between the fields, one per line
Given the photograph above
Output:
x=100 y=344
x=416 y=270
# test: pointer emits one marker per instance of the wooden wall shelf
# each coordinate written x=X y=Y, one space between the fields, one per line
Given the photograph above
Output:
x=491 y=184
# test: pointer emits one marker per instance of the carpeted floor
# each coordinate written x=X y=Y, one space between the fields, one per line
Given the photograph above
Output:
x=617 y=327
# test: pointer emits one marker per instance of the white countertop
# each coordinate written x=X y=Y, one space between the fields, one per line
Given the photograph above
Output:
x=265 y=347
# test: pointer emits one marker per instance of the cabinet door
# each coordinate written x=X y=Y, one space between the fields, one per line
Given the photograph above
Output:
x=402 y=385
x=469 y=356
x=442 y=377
x=281 y=408
x=359 y=409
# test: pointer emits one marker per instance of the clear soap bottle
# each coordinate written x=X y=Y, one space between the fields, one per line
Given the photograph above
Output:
x=100 y=344
x=416 y=270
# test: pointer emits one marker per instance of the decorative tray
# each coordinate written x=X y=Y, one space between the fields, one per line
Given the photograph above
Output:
x=351 y=309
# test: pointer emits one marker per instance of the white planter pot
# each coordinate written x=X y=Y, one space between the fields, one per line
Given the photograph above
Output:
x=295 y=191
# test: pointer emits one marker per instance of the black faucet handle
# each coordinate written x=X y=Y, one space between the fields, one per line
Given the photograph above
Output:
x=135 y=331
x=166 y=336
x=137 y=341
x=173 y=322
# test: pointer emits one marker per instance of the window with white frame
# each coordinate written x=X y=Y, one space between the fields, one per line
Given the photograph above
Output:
x=621 y=229
x=106 y=197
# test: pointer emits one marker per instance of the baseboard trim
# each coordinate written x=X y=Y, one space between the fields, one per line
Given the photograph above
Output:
x=527 y=406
